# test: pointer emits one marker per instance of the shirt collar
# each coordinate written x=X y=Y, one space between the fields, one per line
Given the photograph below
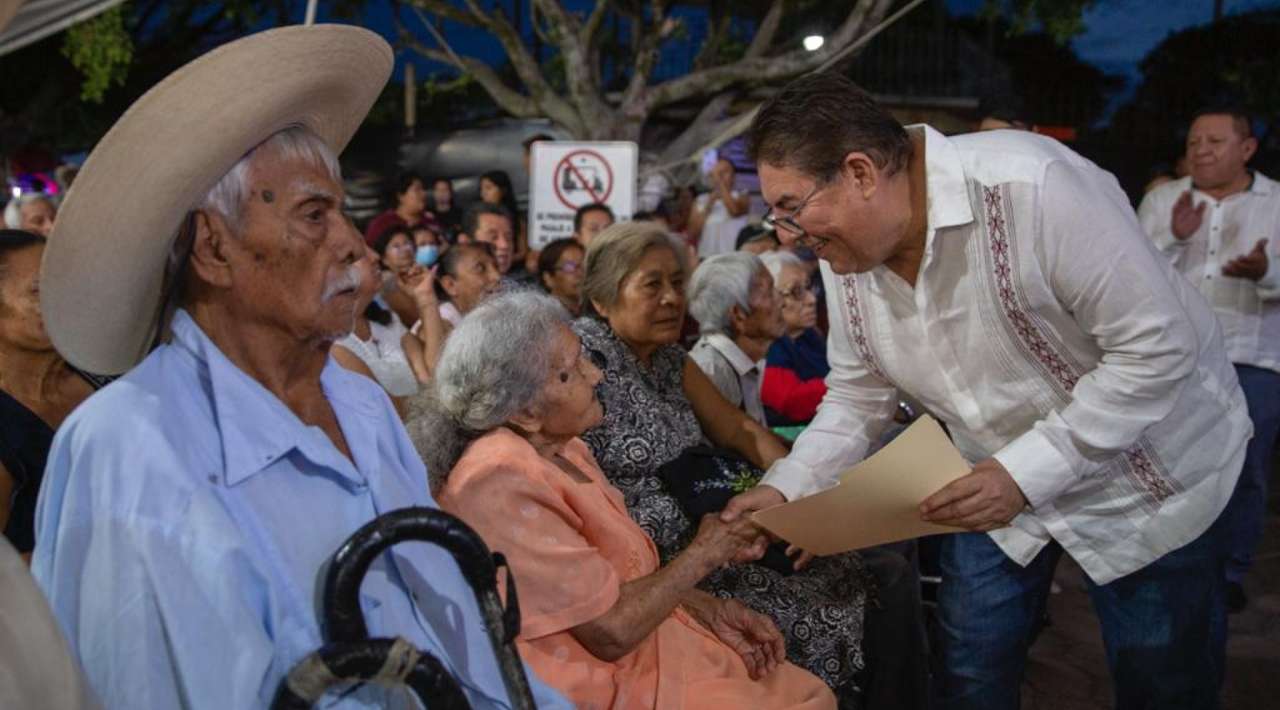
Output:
x=741 y=362
x=256 y=428
x=948 y=192
x=1260 y=184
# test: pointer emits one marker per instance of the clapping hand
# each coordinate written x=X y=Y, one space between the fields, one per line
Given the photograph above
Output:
x=1186 y=216
x=1252 y=266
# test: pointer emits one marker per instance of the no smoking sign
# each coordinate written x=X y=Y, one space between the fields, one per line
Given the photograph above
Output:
x=566 y=175
x=583 y=177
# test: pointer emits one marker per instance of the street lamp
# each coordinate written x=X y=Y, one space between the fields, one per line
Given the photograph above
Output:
x=813 y=42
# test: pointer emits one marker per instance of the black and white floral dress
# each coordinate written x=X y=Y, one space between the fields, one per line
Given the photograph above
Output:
x=649 y=422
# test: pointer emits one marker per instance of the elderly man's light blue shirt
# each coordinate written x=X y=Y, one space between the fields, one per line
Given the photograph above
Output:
x=186 y=514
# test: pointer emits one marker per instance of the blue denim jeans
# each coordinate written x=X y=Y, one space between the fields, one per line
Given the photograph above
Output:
x=1247 y=511
x=1164 y=626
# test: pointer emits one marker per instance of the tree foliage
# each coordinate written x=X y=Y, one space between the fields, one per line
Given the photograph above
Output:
x=1232 y=61
x=101 y=48
x=1059 y=19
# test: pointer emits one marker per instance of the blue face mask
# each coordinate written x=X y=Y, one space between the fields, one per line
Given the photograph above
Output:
x=427 y=255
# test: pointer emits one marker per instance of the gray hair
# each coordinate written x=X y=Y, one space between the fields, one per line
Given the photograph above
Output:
x=720 y=283
x=494 y=365
x=776 y=261
x=230 y=195
x=13 y=210
x=614 y=253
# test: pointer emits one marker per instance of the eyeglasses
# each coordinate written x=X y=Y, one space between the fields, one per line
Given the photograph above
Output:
x=787 y=222
x=798 y=292
x=569 y=267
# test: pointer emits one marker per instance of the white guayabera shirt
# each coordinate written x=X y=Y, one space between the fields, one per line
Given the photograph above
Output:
x=1047 y=332
x=1249 y=310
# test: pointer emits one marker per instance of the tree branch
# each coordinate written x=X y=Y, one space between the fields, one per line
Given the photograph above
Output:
x=647 y=42
x=508 y=99
x=446 y=10
x=767 y=30
x=715 y=36
x=542 y=100
x=579 y=64
x=765 y=69
x=591 y=29
x=526 y=67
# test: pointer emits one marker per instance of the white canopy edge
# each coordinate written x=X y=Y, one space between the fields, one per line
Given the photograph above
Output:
x=37 y=19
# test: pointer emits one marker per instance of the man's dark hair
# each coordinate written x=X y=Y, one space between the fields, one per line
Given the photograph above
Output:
x=1243 y=123
x=471 y=220
x=816 y=120
x=405 y=180
x=12 y=240
x=591 y=207
x=752 y=233
x=527 y=143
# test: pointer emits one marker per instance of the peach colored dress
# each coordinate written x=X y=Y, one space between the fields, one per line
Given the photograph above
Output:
x=571 y=546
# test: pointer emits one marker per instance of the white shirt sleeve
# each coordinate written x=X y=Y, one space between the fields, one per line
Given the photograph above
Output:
x=1128 y=304
x=1156 y=216
x=853 y=414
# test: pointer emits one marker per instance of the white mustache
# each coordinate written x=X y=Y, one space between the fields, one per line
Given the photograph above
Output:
x=352 y=278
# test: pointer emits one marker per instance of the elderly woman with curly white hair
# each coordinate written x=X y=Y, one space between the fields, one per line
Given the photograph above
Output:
x=602 y=622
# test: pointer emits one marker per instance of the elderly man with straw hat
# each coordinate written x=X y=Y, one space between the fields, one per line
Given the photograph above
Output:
x=189 y=507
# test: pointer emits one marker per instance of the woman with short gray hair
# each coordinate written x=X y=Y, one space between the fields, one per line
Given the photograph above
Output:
x=600 y=619
x=732 y=298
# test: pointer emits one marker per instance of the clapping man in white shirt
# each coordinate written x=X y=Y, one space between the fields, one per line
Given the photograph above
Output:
x=1003 y=281
x=1220 y=227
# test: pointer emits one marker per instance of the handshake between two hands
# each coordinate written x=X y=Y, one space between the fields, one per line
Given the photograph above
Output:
x=985 y=499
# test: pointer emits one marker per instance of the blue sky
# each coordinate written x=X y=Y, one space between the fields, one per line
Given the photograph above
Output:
x=1118 y=33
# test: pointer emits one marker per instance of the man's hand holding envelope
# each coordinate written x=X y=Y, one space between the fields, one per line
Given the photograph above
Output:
x=917 y=485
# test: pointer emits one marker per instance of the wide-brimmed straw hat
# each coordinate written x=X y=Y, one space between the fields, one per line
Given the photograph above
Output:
x=101 y=280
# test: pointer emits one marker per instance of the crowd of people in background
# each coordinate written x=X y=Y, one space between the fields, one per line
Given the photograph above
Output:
x=591 y=405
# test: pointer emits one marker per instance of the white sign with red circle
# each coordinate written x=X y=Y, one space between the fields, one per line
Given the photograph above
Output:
x=568 y=175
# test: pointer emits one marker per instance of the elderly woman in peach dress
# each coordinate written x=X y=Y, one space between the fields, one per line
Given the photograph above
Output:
x=602 y=622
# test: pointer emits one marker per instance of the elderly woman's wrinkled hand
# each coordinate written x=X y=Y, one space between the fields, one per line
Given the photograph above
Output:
x=752 y=635
x=720 y=543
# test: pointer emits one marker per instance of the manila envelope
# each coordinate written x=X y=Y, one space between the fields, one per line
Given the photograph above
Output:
x=877 y=501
